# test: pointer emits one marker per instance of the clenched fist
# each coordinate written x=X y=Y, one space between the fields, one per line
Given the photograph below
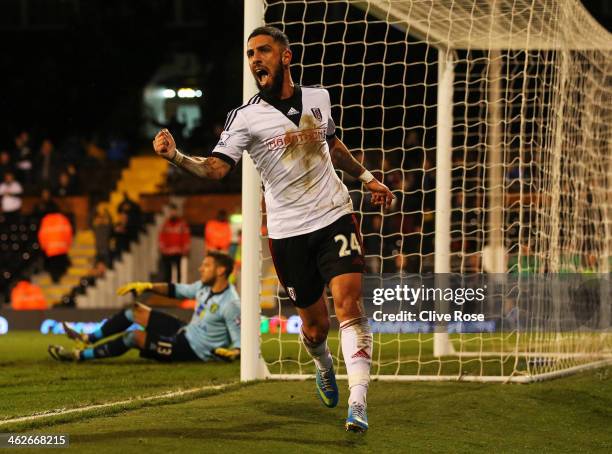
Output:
x=164 y=144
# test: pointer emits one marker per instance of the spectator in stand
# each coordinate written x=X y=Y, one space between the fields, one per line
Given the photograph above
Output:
x=45 y=205
x=103 y=232
x=10 y=191
x=23 y=157
x=72 y=150
x=97 y=272
x=48 y=164
x=65 y=186
x=121 y=235
x=404 y=264
x=5 y=164
x=26 y=296
x=94 y=152
x=373 y=242
x=174 y=240
x=117 y=149
x=134 y=216
x=380 y=240
x=75 y=184
x=218 y=233
x=55 y=238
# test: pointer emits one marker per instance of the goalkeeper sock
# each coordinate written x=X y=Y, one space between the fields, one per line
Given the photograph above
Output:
x=115 y=347
x=356 y=338
x=319 y=352
x=116 y=324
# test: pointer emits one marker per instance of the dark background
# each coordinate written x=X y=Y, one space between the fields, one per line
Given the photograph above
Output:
x=78 y=67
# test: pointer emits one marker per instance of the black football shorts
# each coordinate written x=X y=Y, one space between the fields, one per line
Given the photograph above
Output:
x=166 y=340
x=306 y=263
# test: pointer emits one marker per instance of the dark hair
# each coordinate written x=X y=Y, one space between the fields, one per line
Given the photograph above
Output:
x=274 y=32
x=224 y=260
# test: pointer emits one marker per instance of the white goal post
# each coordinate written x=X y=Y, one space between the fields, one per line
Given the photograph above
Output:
x=491 y=122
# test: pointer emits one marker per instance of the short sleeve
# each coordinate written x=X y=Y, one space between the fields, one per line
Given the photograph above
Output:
x=234 y=139
x=331 y=125
x=331 y=128
x=188 y=291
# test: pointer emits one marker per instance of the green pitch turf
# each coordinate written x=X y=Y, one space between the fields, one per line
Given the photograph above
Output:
x=572 y=414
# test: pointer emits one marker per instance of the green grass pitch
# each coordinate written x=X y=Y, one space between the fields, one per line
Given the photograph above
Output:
x=572 y=414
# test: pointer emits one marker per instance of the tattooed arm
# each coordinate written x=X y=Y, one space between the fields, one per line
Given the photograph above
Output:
x=342 y=159
x=213 y=168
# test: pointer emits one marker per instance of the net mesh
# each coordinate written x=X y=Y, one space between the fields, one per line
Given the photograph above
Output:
x=530 y=169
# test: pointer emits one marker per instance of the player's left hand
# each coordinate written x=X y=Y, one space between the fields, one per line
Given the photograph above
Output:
x=227 y=354
x=381 y=195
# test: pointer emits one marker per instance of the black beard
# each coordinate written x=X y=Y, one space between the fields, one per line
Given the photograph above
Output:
x=209 y=282
x=274 y=90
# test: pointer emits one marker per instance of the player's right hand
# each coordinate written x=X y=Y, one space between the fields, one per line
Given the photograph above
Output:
x=164 y=144
x=136 y=287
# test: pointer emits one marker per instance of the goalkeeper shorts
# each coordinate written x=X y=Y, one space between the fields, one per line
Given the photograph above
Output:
x=306 y=263
x=166 y=339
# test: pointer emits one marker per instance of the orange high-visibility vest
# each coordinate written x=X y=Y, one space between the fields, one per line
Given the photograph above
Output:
x=27 y=297
x=55 y=234
x=218 y=235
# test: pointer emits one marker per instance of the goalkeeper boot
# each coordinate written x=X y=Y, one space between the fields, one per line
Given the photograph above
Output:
x=81 y=339
x=327 y=390
x=357 y=420
x=59 y=353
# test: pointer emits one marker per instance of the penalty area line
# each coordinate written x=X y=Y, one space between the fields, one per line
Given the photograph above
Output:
x=67 y=411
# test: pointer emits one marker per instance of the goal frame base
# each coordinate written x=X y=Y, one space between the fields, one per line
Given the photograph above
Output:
x=463 y=378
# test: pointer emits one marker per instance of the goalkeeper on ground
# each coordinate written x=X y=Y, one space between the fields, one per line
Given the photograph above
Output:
x=212 y=333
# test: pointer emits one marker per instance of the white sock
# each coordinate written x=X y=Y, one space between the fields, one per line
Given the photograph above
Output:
x=319 y=352
x=356 y=338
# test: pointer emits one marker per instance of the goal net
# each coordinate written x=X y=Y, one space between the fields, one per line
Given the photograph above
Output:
x=490 y=122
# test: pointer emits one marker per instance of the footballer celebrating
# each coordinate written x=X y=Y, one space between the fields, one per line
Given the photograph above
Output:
x=289 y=133
x=213 y=332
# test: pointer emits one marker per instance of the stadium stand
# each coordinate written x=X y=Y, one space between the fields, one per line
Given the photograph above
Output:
x=19 y=250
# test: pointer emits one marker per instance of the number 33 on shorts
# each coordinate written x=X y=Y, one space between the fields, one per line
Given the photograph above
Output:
x=345 y=246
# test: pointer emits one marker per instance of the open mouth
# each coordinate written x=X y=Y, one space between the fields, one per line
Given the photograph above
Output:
x=262 y=76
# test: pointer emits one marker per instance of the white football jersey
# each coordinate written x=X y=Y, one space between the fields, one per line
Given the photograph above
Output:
x=287 y=140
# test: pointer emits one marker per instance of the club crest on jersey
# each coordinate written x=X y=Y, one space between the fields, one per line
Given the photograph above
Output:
x=317 y=113
x=223 y=139
x=291 y=292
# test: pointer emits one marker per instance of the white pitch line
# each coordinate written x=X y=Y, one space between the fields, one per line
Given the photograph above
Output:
x=66 y=411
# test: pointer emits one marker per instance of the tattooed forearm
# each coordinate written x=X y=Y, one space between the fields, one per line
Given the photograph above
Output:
x=343 y=160
x=212 y=168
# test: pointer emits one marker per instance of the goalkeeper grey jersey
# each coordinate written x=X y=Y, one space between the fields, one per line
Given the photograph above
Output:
x=287 y=140
x=215 y=321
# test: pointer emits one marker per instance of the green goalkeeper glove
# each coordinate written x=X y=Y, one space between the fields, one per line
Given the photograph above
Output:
x=227 y=354
x=136 y=287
